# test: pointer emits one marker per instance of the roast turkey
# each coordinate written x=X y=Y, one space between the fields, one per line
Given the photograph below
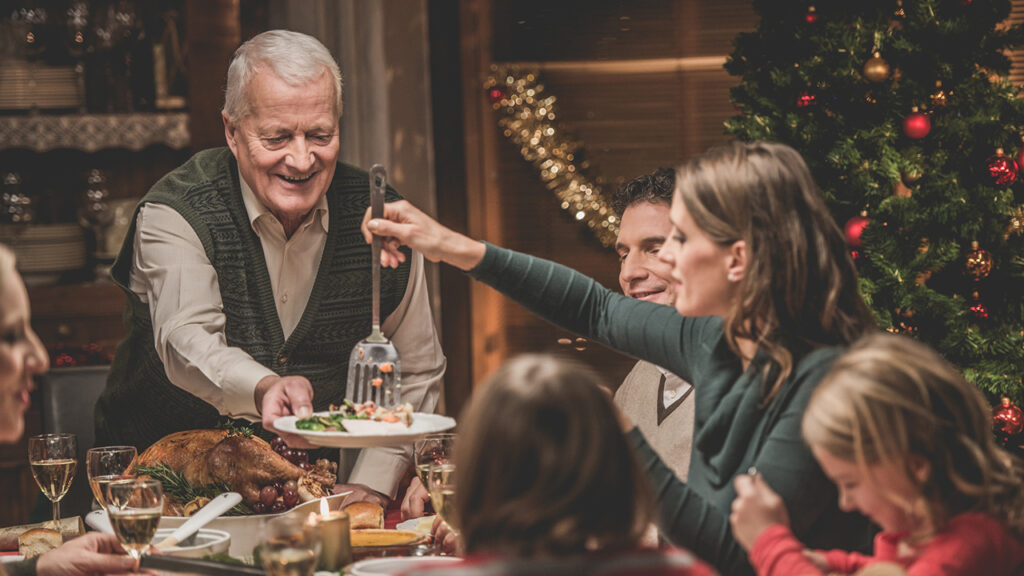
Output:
x=243 y=464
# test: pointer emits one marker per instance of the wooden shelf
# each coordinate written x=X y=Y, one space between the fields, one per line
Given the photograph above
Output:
x=94 y=132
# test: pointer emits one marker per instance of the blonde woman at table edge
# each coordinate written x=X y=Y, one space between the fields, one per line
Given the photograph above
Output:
x=766 y=298
x=547 y=483
x=22 y=357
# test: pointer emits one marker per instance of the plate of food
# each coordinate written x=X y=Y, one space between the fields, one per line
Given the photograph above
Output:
x=364 y=425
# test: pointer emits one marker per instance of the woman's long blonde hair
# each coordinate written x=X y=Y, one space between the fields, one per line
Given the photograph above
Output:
x=891 y=399
x=800 y=289
x=543 y=468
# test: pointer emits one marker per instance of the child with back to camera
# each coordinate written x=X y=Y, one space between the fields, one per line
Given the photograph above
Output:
x=908 y=443
x=547 y=482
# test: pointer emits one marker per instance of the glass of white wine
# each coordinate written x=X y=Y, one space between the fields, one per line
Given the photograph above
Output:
x=54 y=459
x=134 y=508
x=106 y=465
x=432 y=448
x=290 y=546
x=441 y=485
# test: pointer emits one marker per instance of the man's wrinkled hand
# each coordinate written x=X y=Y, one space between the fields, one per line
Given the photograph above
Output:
x=362 y=493
x=416 y=498
x=443 y=535
x=278 y=396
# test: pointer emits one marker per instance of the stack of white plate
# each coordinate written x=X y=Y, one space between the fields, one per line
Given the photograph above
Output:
x=46 y=248
x=24 y=86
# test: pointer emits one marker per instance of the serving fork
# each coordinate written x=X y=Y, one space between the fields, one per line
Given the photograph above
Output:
x=374 y=366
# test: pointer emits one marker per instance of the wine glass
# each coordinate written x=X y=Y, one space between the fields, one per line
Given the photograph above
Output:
x=106 y=465
x=290 y=546
x=435 y=447
x=441 y=485
x=54 y=460
x=134 y=508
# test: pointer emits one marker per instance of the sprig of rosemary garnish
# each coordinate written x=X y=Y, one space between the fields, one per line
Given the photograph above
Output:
x=235 y=429
x=176 y=486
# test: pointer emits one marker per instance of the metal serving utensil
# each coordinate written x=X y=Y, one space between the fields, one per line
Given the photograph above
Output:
x=374 y=365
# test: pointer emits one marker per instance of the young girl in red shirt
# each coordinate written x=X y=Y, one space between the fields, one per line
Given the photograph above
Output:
x=908 y=443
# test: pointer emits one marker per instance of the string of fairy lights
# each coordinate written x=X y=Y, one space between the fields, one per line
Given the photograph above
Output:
x=529 y=119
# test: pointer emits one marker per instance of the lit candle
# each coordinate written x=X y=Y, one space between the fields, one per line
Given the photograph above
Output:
x=337 y=548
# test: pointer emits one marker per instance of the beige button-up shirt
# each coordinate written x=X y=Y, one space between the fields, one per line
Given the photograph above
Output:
x=172 y=273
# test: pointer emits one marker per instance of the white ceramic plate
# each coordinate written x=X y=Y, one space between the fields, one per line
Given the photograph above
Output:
x=384 y=435
x=11 y=558
x=413 y=524
x=399 y=565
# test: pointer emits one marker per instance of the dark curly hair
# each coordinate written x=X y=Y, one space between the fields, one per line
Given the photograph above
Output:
x=655 y=187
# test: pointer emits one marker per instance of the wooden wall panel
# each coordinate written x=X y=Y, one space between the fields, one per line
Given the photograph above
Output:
x=639 y=83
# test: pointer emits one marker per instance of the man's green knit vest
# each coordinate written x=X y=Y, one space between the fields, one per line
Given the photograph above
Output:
x=140 y=405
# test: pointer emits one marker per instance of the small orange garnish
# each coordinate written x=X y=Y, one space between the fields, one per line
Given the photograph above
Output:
x=387 y=368
x=377 y=381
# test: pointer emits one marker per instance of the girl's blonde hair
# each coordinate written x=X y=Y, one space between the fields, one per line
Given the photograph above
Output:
x=890 y=399
x=800 y=289
x=543 y=466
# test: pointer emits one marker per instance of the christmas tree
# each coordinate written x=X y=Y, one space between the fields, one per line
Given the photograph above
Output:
x=905 y=116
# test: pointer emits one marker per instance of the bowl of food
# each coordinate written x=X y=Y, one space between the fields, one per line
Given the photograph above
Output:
x=205 y=542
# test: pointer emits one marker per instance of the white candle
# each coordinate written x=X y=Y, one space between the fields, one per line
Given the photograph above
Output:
x=334 y=535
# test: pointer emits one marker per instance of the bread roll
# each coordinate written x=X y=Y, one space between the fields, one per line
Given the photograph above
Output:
x=365 y=515
x=37 y=541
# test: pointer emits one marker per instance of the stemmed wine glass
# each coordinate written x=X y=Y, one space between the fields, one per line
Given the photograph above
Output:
x=432 y=448
x=441 y=485
x=134 y=508
x=53 y=458
x=106 y=465
x=290 y=546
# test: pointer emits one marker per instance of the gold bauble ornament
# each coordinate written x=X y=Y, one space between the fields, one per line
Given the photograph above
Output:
x=902 y=190
x=979 y=262
x=1016 y=225
x=940 y=97
x=876 y=69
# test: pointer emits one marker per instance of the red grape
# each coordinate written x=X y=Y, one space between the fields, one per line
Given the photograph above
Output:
x=279 y=488
x=267 y=495
x=291 y=485
x=278 y=444
x=278 y=507
x=305 y=466
x=290 y=497
x=258 y=508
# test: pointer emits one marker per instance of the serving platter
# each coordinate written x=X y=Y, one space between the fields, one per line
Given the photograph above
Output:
x=245 y=531
x=370 y=434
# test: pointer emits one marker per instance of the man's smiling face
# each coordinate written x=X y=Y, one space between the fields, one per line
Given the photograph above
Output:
x=642 y=231
x=287 y=144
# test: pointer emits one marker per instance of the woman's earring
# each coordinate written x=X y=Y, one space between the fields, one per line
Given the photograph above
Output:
x=733 y=276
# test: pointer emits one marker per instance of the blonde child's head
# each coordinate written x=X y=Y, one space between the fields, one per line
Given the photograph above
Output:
x=917 y=434
x=543 y=466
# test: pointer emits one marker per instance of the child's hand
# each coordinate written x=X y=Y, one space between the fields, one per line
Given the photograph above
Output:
x=755 y=508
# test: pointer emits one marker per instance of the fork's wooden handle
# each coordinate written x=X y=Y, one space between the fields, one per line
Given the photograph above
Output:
x=378 y=183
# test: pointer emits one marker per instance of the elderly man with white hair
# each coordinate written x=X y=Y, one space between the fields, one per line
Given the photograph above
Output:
x=248 y=280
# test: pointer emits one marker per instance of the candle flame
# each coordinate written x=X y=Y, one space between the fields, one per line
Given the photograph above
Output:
x=324 y=510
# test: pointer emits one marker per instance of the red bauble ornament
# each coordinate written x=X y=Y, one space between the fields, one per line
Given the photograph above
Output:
x=916 y=125
x=496 y=94
x=979 y=311
x=1002 y=171
x=1020 y=159
x=812 y=16
x=1007 y=418
x=806 y=99
x=854 y=229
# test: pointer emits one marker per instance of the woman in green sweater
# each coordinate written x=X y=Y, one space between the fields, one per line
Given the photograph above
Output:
x=766 y=297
